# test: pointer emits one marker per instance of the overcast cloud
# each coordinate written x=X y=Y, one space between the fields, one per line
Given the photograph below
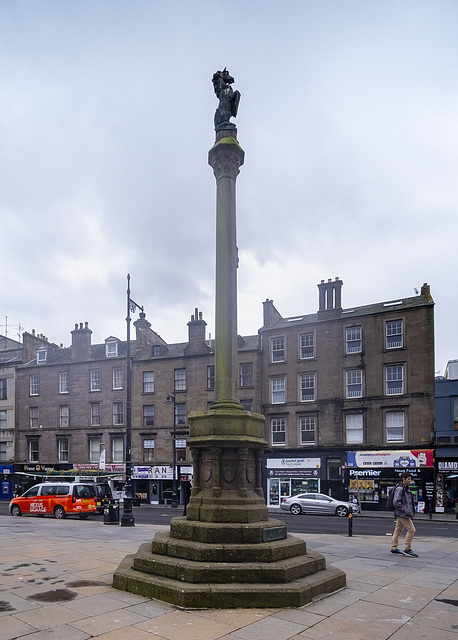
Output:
x=349 y=122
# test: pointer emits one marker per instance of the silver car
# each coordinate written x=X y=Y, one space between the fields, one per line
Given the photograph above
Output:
x=318 y=503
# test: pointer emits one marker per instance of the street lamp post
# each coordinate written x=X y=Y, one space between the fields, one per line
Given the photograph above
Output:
x=171 y=400
x=127 y=518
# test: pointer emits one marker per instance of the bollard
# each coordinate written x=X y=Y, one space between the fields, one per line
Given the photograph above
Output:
x=350 y=522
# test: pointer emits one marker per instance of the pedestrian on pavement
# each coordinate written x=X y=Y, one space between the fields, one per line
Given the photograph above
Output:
x=404 y=511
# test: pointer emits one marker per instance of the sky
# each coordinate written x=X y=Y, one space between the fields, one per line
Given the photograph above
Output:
x=348 y=119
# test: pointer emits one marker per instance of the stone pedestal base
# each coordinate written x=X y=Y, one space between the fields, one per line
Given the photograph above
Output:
x=196 y=575
x=226 y=552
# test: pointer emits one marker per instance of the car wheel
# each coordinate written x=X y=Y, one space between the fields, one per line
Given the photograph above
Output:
x=296 y=509
x=342 y=512
x=15 y=511
x=59 y=512
x=83 y=516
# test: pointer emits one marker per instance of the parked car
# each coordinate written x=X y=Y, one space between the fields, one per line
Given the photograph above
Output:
x=104 y=495
x=57 y=498
x=318 y=503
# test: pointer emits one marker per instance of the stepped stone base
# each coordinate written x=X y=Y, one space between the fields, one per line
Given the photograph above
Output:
x=188 y=574
x=225 y=552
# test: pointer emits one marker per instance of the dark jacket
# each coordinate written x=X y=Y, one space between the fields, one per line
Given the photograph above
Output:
x=403 y=502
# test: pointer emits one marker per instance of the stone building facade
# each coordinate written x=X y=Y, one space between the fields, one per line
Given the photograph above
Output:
x=342 y=381
x=348 y=396
x=71 y=404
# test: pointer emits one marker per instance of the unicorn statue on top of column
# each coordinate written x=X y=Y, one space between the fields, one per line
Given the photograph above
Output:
x=228 y=100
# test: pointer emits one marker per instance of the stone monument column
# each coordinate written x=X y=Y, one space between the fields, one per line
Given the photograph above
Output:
x=226 y=552
x=226 y=158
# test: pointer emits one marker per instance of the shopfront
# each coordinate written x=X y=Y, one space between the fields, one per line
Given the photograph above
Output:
x=289 y=476
x=26 y=475
x=370 y=474
x=154 y=483
x=446 y=483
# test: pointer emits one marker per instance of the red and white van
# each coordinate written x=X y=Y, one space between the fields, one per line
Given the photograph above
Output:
x=56 y=498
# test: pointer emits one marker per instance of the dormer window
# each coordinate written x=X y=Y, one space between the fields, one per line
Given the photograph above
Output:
x=42 y=355
x=111 y=348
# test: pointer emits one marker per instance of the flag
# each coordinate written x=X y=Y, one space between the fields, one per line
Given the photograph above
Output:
x=102 y=460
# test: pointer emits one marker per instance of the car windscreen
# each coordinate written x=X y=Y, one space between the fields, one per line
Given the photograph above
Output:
x=30 y=493
x=83 y=491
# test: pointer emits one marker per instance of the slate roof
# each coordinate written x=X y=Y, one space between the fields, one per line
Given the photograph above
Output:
x=352 y=312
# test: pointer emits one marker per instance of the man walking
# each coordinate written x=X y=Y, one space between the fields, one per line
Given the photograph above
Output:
x=404 y=511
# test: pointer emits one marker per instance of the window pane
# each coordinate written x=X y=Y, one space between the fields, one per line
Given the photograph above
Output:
x=63 y=382
x=395 y=426
x=95 y=380
x=307 y=386
x=34 y=385
x=33 y=451
x=394 y=380
x=307 y=345
x=180 y=413
x=247 y=404
x=394 y=338
x=63 y=450
x=118 y=413
x=148 y=381
x=354 y=383
x=148 y=415
x=95 y=414
x=246 y=374
x=278 y=349
x=354 y=428
x=180 y=379
x=278 y=429
x=117 y=446
x=117 y=378
x=64 y=416
x=307 y=428
x=148 y=450
x=353 y=338
x=94 y=450
x=33 y=417
x=278 y=390
x=3 y=389
x=211 y=376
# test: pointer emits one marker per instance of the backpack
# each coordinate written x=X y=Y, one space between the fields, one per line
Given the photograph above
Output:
x=389 y=501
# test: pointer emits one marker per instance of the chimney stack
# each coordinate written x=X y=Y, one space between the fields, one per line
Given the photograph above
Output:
x=270 y=314
x=330 y=296
x=81 y=342
x=196 y=334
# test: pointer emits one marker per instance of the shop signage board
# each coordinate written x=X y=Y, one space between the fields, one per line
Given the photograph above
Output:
x=293 y=463
x=447 y=466
x=153 y=472
x=402 y=459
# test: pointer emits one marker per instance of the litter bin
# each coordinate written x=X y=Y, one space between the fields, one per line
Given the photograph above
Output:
x=111 y=513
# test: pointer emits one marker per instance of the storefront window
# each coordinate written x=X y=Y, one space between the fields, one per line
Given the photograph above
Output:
x=274 y=485
x=279 y=489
